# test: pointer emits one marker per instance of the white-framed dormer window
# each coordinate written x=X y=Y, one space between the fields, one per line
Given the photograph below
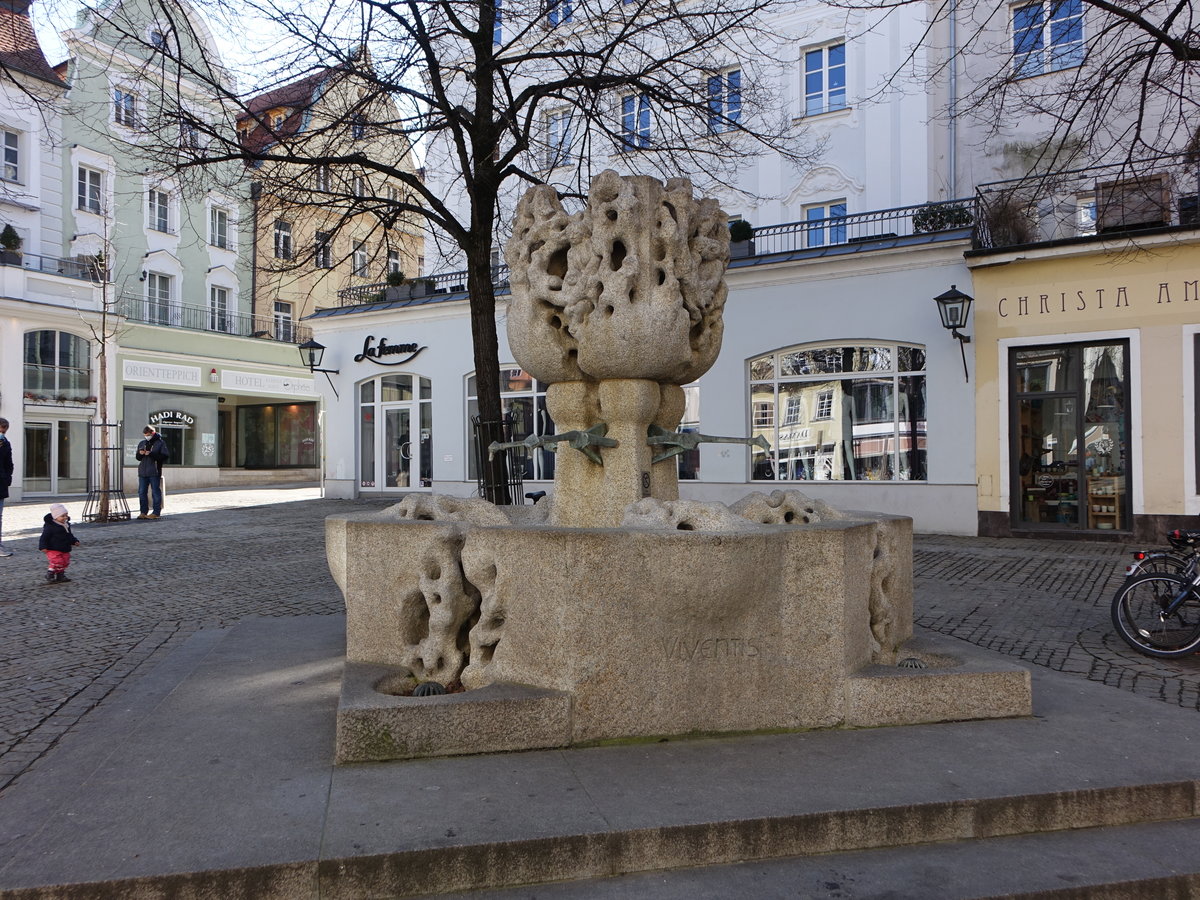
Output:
x=1047 y=37
x=89 y=189
x=724 y=100
x=360 y=259
x=558 y=138
x=125 y=107
x=12 y=155
x=158 y=211
x=219 y=234
x=635 y=121
x=283 y=239
x=218 y=309
x=824 y=79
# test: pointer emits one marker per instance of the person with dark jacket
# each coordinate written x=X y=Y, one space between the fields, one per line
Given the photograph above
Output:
x=152 y=452
x=56 y=542
x=6 y=475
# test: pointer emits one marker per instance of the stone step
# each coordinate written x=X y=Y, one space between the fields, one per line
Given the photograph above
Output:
x=677 y=849
x=1132 y=862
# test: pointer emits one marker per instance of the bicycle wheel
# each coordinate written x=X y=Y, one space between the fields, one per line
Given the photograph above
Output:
x=1137 y=614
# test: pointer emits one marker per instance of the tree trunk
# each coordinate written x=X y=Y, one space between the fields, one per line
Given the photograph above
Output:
x=482 y=294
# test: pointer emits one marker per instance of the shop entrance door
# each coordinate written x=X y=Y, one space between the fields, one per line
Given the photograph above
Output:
x=396 y=452
x=55 y=458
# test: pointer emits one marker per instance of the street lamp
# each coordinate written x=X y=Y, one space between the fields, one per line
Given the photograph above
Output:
x=954 y=307
x=311 y=354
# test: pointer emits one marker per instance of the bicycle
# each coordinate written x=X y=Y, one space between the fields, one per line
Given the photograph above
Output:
x=1158 y=613
x=1184 y=546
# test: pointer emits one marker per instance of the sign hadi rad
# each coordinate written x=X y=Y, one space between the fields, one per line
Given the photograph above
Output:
x=383 y=351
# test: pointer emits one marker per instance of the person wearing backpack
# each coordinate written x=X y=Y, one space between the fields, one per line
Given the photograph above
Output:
x=152 y=452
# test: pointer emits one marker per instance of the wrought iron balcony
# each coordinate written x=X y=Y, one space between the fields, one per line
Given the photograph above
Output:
x=173 y=314
x=1122 y=199
x=53 y=265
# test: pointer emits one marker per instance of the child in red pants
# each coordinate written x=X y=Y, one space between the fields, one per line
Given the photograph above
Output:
x=56 y=542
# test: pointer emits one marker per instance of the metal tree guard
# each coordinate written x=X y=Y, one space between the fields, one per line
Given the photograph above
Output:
x=106 y=497
x=513 y=460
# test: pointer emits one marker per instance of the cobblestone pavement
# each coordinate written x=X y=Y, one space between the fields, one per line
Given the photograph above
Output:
x=140 y=588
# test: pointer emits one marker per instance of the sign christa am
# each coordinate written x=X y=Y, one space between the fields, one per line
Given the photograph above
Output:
x=383 y=351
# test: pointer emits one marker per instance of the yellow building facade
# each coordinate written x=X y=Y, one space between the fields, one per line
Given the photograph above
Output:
x=1086 y=366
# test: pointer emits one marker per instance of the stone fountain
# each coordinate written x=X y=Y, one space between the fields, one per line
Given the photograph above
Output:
x=613 y=609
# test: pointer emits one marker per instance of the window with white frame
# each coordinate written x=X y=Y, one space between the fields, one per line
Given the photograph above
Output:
x=393 y=193
x=1085 y=214
x=125 y=107
x=635 y=121
x=825 y=223
x=218 y=309
x=321 y=178
x=559 y=12
x=724 y=100
x=189 y=135
x=12 y=156
x=558 y=138
x=1047 y=37
x=359 y=259
x=824 y=79
x=283 y=239
x=865 y=404
x=393 y=262
x=159 y=211
x=218 y=228
x=158 y=299
x=89 y=195
x=359 y=185
x=283 y=321
x=323 y=251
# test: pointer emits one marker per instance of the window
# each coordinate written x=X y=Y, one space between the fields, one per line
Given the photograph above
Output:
x=218 y=309
x=88 y=192
x=283 y=321
x=218 y=228
x=1085 y=214
x=124 y=108
x=865 y=407
x=189 y=135
x=277 y=120
x=724 y=100
x=497 y=28
x=321 y=178
x=635 y=121
x=393 y=194
x=359 y=185
x=523 y=405
x=393 y=262
x=323 y=252
x=283 y=239
x=158 y=299
x=824 y=79
x=158 y=39
x=159 y=211
x=358 y=126
x=1047 y=37
x=558 y=11
x=12 y=156
x=278 y=436
x=58 y=367
x=824 y=223
x=359 y=259
x=558 y=139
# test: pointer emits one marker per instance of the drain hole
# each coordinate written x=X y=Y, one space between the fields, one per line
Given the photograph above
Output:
x=911 y=662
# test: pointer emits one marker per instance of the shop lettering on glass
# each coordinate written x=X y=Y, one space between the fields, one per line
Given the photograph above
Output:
x=172 y=417
x=378 y=352
x=1091 y=299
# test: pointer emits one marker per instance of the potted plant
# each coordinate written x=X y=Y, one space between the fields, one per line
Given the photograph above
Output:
x=398 y=287
x=10 y=242
x=741 y=239
x=941 y=217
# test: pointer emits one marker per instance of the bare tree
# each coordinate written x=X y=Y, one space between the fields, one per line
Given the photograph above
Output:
x=494 y=94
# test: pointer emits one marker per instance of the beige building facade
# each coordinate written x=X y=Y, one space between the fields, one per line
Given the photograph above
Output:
x=1087 y=363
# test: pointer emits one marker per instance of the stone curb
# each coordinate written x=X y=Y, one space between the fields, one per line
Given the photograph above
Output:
x=434 y=870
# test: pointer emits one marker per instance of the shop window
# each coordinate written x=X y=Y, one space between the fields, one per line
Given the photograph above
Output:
x=1070 y=437
x=278 y=436
x=187 y=422
x=58 y=368
x=840 y=412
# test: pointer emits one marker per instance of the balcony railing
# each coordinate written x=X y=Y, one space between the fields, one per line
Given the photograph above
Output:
x=70 y=268
x=1117 y=199
x=199 y=318
x=446 y=283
